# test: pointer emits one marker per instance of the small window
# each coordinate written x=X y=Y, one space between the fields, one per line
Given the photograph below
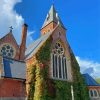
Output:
x=93 y=93
x=59 y=34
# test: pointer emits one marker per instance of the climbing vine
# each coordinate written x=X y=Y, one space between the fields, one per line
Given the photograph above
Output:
x=44 y=88
x=38 y=84
x=32 y=83
x=80 y=88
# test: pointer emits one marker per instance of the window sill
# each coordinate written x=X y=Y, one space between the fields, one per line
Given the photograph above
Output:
x=59 y=79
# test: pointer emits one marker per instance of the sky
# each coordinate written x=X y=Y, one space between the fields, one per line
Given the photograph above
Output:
x=80 y=17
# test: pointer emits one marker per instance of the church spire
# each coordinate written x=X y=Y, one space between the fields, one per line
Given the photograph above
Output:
x=52 y=19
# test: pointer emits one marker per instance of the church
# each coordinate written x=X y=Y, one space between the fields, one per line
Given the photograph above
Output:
x=45 y=70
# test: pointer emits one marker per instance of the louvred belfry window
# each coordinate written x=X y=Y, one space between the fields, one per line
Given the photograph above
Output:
x=58 y=62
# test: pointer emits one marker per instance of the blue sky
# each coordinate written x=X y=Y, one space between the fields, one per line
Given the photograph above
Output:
x=80 y=17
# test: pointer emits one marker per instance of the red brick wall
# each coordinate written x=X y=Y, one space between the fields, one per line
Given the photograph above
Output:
x=23 y=42
x=9 y=39
x=48 y=28
x=94 y=88
x=12 y=88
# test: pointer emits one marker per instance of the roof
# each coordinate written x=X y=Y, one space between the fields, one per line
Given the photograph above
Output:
x=52 y=16
x=32 y=49
x=13 y=69
x=90 y=81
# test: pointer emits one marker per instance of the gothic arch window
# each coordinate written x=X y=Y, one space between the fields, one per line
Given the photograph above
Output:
x=7 y=50
x=58 y=62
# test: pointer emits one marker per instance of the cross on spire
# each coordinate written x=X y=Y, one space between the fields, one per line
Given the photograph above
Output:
x=11 y=28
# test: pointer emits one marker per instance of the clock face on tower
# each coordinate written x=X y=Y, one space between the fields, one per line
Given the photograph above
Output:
x=7 y=50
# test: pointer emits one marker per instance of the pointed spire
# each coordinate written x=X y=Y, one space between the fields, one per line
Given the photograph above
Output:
x=52 y=16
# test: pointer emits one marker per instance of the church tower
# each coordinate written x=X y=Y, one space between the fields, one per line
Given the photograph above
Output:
x=51 y=54
x=51 y=21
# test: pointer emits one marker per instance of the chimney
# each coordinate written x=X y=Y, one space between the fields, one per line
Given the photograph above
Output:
x=23 y=42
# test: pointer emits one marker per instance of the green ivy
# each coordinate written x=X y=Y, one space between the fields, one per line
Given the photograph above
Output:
x=32 y=84
x=80 y=88
x=44 y=53
x=61 y=89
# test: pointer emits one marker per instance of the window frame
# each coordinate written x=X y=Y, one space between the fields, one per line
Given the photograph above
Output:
x=63 y=62
x=93 y=90
x=11 y=48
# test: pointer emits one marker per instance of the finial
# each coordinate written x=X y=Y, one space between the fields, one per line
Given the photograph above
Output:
x=11 y=28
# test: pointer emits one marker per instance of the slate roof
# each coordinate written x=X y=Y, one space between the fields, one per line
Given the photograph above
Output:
x=32 y=49
x=90 y=81
x=13 y=69
x=52 y=16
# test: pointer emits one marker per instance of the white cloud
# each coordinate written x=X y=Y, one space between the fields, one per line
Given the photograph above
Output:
x=30 y=37
x=91 y=67
x=9 y=17
x=30 y=33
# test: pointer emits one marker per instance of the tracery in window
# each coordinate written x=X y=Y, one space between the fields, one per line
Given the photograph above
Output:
x=59 y=63
x=7 y=50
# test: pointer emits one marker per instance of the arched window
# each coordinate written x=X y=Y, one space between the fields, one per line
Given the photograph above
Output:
x=93 y=93
x=58 y=62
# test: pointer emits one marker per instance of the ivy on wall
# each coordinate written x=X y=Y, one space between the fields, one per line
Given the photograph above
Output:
x=38 y=84
x=44 y=88
x=32 y=83
x=80 y=88
x=63 y=90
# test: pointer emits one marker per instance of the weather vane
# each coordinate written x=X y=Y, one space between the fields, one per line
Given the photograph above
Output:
x=11 y=28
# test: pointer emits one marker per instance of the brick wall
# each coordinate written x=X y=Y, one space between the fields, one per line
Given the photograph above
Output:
x=48 y=28
x=12 y=88
x=10 y=39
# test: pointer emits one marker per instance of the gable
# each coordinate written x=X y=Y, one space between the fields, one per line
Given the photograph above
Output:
x=9 y=40
x=59 y=34
x=35 y=46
